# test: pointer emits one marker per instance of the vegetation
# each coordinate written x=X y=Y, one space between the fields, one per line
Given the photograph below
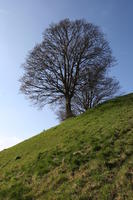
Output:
x=87 y=157
x=69 y=67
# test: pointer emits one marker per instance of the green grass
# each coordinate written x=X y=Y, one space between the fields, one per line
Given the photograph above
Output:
x=89 y=157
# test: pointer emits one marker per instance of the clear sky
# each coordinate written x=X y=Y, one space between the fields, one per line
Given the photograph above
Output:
x=21 y=25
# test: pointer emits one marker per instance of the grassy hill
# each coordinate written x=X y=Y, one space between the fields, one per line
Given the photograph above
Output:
x=89 y=157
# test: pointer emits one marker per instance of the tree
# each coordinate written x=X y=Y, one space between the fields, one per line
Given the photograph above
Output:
x=93 y=92
x=54 y=69
x=95 y=87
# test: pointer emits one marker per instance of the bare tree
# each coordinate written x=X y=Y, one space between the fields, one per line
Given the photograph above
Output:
x=54 y=68
x=94 y=91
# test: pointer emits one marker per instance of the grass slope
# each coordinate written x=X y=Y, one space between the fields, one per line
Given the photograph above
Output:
x=89 y=157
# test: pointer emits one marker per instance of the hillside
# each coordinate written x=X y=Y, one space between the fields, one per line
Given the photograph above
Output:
x=89 y=157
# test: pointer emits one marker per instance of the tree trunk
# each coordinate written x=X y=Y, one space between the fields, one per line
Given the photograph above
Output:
x=68 y=108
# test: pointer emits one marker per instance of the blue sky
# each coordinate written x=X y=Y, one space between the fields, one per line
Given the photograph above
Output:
x=21 y=27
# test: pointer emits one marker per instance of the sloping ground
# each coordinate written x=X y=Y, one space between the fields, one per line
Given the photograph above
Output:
x=86 y=158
